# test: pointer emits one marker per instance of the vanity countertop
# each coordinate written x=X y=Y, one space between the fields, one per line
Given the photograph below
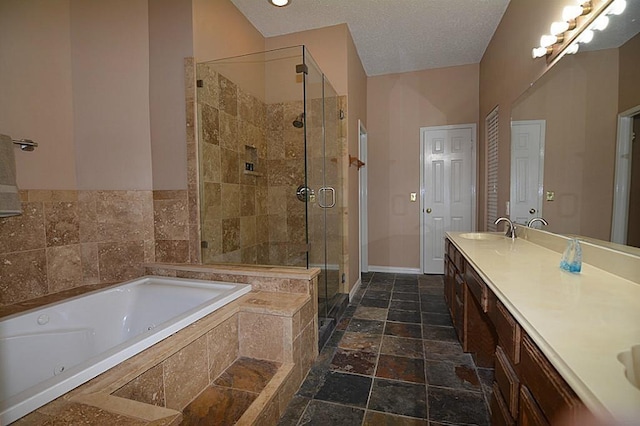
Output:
x=581 y=322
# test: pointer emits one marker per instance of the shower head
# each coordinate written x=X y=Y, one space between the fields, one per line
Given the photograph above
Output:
x=299 y=121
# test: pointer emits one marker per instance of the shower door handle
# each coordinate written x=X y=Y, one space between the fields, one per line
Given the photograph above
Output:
x=321 y=199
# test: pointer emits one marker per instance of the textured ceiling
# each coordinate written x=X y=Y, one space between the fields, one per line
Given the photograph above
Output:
x=391 y=35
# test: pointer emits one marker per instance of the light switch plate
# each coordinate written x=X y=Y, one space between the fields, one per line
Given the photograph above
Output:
x=551 y=195
x=414 y=197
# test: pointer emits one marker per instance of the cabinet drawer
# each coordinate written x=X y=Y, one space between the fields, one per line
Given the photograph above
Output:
x=507 y=381
x=458 y=260
x=551 y=392
x=477 y=287
x=530 y=414
x=500 y=415
x=508 y=331
x=459 y=287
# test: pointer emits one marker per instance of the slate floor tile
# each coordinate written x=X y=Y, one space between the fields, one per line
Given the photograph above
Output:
x=434 y=332
x=294 y=411
x=336 y=336
x=374 y=303
x=457 y=406
x=400 y=329
x=413 y=297
x=377 y=294
x=366 y=312
x=434 y=306
x=431 y=318
x=217 y=406
x=401 y=346
x=343 y=388
x=452 y=375
x=407 y=399
x=354 y=362
x=360 y=342
x=374 y=418
x=401 y=368
x=324 y=413
x=371 y=327
x=405 y=305
x=446 y=351
x=313 y=382
x=404 y=316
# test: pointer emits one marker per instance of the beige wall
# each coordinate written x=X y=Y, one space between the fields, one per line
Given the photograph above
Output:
x=356 y=111
x=328 y=47
x=35 y=88
x=110 y=66
x=221 y=31
x=629 y=78
x=170 y=41
x=397 y=106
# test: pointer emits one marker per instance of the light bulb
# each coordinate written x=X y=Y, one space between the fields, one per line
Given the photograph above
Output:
x=572 y=49
x=279 y=3
x=586 y=36
x=617 y=7
x=539 y=52
x=571 y=12
x=601 y=23
x=548 y=40
x=558 y=28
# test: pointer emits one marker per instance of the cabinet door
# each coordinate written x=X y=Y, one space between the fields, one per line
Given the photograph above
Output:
x=500 y=415
x=552 y=393
x=530 y=413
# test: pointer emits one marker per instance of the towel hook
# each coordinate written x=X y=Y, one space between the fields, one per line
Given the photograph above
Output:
x=26 y=144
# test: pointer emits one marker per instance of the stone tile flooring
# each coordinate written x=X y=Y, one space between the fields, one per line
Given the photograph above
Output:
x=394 y=359
x=229 y=396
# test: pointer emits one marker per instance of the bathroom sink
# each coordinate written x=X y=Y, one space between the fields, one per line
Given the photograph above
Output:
x=481 y=236
x=631 y=361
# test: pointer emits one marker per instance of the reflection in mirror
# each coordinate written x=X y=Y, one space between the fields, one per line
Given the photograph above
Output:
x=564 y=136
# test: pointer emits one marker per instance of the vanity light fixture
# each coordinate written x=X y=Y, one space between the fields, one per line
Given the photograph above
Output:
x=279 y=3
x=578 y=26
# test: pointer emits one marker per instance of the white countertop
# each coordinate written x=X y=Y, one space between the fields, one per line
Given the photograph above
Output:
x=581 y=322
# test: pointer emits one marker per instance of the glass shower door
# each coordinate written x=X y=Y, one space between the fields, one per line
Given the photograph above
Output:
x=323 y=181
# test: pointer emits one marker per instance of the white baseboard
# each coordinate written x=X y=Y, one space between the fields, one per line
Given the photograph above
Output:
x=394 y=270
x=354 y=289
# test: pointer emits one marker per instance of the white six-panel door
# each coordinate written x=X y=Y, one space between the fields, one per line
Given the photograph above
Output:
x=448 y=188
x=527 y=154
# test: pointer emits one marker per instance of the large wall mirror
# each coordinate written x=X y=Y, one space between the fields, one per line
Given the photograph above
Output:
x=566 y=129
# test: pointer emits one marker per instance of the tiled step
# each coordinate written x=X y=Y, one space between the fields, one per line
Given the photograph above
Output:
x=246 y=393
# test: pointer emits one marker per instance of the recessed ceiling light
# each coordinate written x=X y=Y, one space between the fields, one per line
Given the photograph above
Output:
x=279 y=3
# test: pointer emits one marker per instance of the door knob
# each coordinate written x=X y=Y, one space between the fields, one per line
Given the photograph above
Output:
x=532 y=211
x=428 y=210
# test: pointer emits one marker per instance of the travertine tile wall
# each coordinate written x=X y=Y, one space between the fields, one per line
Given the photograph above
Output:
x=66 y=239
x=249 y=216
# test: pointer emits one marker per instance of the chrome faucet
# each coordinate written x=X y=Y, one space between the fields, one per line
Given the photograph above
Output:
x=510 y=229
x=537 y=219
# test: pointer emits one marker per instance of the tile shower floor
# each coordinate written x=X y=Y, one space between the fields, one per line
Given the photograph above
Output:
x=394 y=359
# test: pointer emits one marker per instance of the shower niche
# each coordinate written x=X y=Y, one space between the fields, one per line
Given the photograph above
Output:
x=269 y=123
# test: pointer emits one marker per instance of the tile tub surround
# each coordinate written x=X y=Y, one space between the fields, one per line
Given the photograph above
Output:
x=154 y=386
x=580 y=322
x=67 y=239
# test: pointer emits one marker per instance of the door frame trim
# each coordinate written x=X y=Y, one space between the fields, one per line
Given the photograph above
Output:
x=363 y=197
x=474 y=180
x=543 y=130
x=622 y=180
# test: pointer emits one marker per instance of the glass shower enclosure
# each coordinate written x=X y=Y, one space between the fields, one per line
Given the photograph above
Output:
x=269 y=136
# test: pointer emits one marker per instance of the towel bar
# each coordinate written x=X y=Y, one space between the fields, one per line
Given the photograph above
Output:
x=26 y=144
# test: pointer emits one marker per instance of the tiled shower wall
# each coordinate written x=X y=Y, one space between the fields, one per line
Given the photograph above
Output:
x=66 y=239
x=249 y=216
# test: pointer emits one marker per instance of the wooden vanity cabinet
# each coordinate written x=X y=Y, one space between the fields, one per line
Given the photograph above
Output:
x=527 y=390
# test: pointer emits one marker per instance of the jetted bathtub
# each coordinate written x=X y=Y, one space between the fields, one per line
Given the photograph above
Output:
x=46 y=352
